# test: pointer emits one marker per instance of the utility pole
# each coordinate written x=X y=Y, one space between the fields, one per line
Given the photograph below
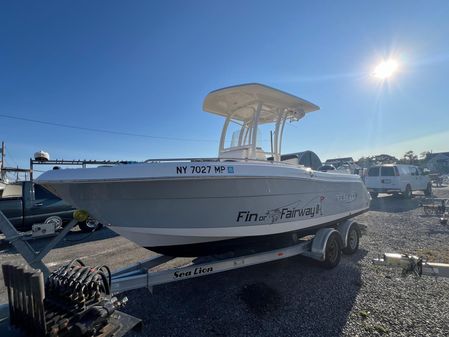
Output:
x=2 y=162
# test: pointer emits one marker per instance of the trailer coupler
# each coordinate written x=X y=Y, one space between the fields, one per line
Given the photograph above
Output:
x=74 y=301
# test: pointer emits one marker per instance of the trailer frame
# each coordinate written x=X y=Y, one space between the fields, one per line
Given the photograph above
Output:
x=139 y=275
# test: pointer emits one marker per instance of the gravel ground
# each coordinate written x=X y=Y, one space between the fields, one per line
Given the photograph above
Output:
x=295 y=297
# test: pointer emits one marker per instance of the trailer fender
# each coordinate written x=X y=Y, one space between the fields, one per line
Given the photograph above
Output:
x=318 y=248
x=344 y=228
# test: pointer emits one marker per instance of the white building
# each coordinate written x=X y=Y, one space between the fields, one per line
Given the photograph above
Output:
x=438 y=162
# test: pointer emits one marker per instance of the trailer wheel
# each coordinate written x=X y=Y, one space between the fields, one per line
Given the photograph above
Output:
x=333 y=251
x=408 y=192
x=428 y=190
x=374 y=195
x=56 y=220
x=353 y=240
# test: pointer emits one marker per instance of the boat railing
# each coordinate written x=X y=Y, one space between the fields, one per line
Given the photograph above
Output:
x=246 y=160
x=161 y=160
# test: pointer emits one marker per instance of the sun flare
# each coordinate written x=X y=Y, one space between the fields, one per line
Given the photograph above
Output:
x=386 y=69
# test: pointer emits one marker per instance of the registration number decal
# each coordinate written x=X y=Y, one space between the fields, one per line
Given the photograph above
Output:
x=204 y=169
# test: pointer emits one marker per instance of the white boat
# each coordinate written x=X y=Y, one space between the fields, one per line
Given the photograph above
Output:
x=2 y=187
x=246 y=197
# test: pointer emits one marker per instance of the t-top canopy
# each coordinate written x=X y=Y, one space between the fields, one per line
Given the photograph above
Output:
x=241 y=103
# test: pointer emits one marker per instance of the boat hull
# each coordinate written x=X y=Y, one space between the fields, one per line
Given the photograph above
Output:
x=203 y=215
x=247 y=245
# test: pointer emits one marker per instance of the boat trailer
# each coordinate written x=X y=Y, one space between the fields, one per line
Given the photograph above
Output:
x=79 y=300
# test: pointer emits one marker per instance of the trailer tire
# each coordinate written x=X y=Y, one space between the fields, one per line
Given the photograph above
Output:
x=428 y=190
x=56 y=220
x=353 y=240
x=374 y=195
x=407 y=193
x=332 y=253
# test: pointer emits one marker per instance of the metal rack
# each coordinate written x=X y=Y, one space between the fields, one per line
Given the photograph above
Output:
x=81 y=162
x=434 y=206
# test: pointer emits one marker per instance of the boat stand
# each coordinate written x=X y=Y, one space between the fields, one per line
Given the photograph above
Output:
x=411 y=264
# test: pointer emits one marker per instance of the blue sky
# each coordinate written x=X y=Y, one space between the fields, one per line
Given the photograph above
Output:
x=144 y=67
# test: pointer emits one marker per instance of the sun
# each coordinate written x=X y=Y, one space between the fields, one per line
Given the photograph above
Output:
x=386 y=69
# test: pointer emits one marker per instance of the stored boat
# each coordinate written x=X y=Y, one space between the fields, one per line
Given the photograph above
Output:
x=244 y=198
x=2 y=187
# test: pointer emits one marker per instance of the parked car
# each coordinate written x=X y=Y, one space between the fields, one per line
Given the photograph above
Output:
x=26 y=203
x=396 y=179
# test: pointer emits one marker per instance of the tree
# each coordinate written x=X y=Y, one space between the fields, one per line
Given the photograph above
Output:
x=385 y=159
x=423 y=155
x=376 y=160
x=365 y=162
x=410 y=156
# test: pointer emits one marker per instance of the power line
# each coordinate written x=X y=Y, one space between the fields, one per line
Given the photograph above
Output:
x=120 y=133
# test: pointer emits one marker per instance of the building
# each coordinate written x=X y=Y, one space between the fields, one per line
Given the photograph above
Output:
x=438 y=162
x=339 y=161
x=306 y=158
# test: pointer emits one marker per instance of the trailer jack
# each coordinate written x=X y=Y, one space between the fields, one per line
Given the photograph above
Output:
x=411 y=264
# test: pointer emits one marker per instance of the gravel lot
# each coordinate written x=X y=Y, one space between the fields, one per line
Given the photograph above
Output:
x=293 y=297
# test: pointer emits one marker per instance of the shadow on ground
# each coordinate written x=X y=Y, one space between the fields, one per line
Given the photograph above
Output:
x=444 y=230
x=395 y=204
x=72 y=238
x=279 y=298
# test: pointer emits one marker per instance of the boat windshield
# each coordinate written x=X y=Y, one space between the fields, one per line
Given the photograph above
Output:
x=235 y=137
x=239 y=137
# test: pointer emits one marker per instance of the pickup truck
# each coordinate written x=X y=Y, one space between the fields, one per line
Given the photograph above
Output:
x=26 y=203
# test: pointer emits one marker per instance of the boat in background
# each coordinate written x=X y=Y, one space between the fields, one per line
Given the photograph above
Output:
x=194 y=207
x=2 y=187
x=4 y=171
